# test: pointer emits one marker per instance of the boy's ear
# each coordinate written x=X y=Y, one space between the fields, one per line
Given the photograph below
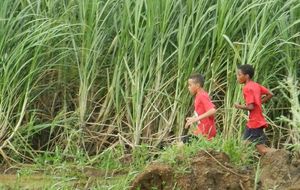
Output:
x=247 y=76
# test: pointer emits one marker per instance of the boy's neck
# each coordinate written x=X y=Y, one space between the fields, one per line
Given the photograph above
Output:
x=248 y=80
x=199 y=90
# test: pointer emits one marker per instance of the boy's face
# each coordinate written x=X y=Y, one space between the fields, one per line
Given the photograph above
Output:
x=193 y=86
x=241 y=77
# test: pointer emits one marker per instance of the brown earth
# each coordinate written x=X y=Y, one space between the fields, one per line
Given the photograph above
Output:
x=212 y=170
x=279 y=170
x=207 y=170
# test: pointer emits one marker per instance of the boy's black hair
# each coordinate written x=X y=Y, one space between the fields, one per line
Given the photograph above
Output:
x=247 y=70
x=198 y=78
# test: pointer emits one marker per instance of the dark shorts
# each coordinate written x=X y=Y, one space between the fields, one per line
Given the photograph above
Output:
x=186 y=139
x=256 y=135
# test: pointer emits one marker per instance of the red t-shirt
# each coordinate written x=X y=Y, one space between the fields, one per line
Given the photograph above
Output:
x=202 y=104
x=253 y=92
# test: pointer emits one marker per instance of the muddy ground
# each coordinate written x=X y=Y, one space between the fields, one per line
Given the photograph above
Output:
x=212 y=170
x=280 y=171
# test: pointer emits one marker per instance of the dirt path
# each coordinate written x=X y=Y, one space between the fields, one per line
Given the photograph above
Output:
x=11 y=181
x=83 y=178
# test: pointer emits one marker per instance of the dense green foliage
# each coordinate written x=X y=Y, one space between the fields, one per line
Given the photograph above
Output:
x=84 y=76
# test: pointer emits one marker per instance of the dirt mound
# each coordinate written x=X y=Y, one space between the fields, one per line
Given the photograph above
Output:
x=207 y=170
x=156 y=175
x=212 y=170
x=280 y=171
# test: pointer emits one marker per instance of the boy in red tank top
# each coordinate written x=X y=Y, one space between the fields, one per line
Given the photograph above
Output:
x=204 y=109
x=255 y=95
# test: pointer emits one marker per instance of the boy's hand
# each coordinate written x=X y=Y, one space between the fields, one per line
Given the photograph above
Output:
x=190 y=121
x=238 y=106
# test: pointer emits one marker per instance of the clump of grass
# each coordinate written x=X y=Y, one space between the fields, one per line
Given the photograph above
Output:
x=257 y=175
x=141 y=155
x=238 y=152
x=291 y=91
x=110 y=159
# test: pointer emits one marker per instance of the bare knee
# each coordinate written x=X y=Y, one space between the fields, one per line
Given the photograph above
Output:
x=262 y=149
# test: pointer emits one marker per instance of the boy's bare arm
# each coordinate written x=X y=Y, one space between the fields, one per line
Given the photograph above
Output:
x=191 y=120
x=267 y=97
x=209 y=113
x=244 y=107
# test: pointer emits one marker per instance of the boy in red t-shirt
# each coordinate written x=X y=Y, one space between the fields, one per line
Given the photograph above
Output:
x=255 y=95
x=204 y=109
